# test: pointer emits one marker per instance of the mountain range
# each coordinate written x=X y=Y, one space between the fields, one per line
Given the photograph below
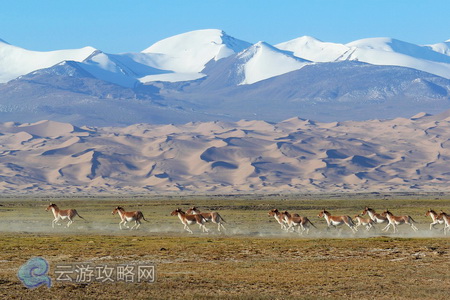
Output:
x=207 y=75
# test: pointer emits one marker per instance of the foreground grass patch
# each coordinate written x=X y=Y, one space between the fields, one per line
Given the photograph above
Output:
x=201 y=267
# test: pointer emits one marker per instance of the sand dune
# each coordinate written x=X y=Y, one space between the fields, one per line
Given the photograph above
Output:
x=222 y=157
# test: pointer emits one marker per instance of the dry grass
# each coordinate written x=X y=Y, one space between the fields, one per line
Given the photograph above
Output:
x=252 y=261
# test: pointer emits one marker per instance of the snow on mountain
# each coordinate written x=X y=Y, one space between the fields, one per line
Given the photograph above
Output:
x=378 y=51
x=387 y=51
x=262 y=61
x=188 y=53
x=443 y=48
x=16 y=61
x=313 y=49
x=392 y=45
x=119 y=69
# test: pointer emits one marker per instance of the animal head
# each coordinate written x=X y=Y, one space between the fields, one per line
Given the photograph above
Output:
x=430 y=212
x=386 y=212
x=192 y=210
x=51 y=205
x=322 y=213
x=273 y=212
x=117 y=209
x=176 y=211
x=366 y=210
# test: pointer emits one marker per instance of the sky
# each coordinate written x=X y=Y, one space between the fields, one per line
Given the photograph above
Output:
x=117 y=26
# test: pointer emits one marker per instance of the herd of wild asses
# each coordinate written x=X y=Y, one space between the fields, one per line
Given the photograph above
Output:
x=288 y=222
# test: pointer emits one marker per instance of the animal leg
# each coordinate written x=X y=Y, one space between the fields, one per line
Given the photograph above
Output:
x=395 y=228
x=135 y=224
x=188 y=229
x=386 y=228
x=432 y=226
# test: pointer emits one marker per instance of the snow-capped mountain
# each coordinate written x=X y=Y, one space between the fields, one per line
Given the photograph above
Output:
x=443 y=48
x=314 y=50
x=16 y=61
x=262 y=61
x=207 y=75
x=433 y=59
x=187 y=54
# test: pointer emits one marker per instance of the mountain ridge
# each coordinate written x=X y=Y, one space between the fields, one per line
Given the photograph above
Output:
x=207 y=75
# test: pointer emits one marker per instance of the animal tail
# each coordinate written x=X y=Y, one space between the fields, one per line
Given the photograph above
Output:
x=222 y=218
x=312 y=224
x=350 y=221
x=414 y=221
x=142 y=215
x=81 y=216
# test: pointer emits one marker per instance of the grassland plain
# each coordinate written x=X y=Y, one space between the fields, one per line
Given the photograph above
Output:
x=254 y=259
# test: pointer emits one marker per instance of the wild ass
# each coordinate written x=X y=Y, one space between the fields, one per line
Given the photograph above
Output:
x=399 y=220
x=376 y=218
x=61 y=214
x=129 y=216
x=279 y=217
x=446 y=219
x=213 y=217
x=436 y=219
x=368 y=223
x=187 y=220
x=303 y=223
x=337 y=220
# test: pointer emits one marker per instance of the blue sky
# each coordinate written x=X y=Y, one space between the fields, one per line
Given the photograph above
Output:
x=116 y=26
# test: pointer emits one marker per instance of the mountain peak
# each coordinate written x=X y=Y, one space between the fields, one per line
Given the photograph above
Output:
x=189 y=52
x=262 y=61
x=310 y=48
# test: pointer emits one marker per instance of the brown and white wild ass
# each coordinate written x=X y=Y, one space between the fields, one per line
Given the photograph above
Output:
x=279 y=217
x=399 y=220
x=294 y=220
x=337 y=220
x=213 y=217
x=61 y=214
x=446 y=219
x=436 y=219
x=187 y=220
x=376 y=218
x=129 y=216
x=368 y=223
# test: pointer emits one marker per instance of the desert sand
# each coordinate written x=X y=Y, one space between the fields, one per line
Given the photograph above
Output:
x=292 y=156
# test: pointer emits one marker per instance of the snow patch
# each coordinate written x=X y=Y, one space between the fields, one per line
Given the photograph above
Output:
x=263 y=61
